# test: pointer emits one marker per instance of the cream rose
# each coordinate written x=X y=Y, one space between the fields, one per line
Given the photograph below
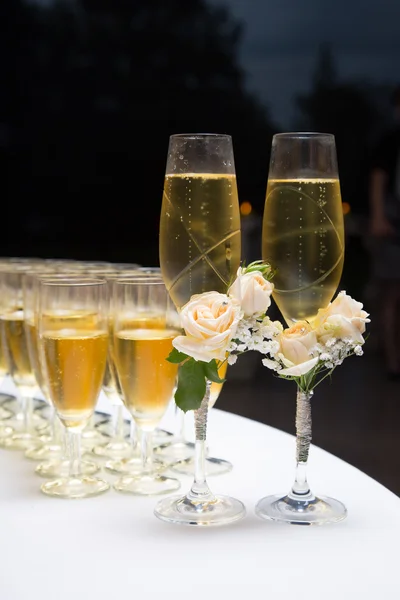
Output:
x=210 y=321
x=343 y=318
x=253 y=292
x=295 y=344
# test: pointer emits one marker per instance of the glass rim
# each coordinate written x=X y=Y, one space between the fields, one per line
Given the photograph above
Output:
x=72 y=281
x=200 y=136
x=153 y=279
x=306 y=135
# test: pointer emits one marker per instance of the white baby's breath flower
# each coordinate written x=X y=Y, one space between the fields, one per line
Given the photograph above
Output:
x=232 y=358
x=326 y=356
x=271 y=364
x=358 y=350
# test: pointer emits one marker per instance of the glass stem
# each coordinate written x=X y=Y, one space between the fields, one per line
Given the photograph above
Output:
x=74 y=438
x=27 y=408
x=134 y=437
x=181 y=431
x=146 y=448
x=52 y=423
x=119 y=422
x=200 y=489
x=303 y=441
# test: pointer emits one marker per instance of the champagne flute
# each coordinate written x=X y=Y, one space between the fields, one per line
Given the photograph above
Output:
x=199 y=252
x=303 y=239
x=143 y=330
x=73 y=335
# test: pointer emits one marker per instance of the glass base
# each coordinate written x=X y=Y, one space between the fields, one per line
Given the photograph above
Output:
x=5 y=414
x=60 y=468
x=148 y=485
x=107 y=428
x=134 y=466
x=213 y=466
x=162 y=436
x=219 y=510
x=79 y=487
x=115 y=449
x=5 y=431
x=177 y=451
x=45 y=452
x=92 y=437
x=19 y=441
x=301 y=510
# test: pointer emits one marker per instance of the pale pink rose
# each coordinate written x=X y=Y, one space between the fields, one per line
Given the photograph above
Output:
x=342 y=318
x=253 y=292
x=295 y=344
x=210 y=321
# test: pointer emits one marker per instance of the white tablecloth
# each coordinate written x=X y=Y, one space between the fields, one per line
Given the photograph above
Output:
x=112 y=546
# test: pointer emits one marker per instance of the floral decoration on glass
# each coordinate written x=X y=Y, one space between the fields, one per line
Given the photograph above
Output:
x=217 y=328
x=307 y=353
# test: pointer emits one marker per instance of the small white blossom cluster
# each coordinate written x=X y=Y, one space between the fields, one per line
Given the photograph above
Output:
x=256 y=334
x=334 y=351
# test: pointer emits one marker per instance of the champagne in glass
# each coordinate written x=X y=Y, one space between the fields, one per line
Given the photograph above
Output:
x=303 y=239
x=200 y=219
x=303 y=229
x=73 y=332
x=200 y=251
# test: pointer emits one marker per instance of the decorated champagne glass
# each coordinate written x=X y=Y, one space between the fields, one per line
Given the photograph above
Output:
x=303 y=240
x=199 y=252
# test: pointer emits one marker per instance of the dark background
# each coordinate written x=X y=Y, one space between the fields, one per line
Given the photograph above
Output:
x=91 y=91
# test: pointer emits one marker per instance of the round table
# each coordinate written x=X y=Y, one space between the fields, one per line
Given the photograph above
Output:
x=112 y=546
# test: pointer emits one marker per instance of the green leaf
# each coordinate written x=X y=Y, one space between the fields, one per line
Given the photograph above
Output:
x=191 y=385
x=176 y=357
x=211 y=371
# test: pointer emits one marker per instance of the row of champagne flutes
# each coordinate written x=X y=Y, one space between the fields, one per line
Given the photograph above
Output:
x=59 y=320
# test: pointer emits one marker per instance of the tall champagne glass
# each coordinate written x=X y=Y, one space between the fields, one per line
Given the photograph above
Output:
x=143 y=330
x=73 y=336
x=303 y=239
x=199 y=252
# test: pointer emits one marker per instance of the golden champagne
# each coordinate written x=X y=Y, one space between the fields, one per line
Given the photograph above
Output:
x=75 y=361
x=199 y=234
x=216 y=388
x=303 y=239
x=147 y=378
x=20 y=367
x=111 y=385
